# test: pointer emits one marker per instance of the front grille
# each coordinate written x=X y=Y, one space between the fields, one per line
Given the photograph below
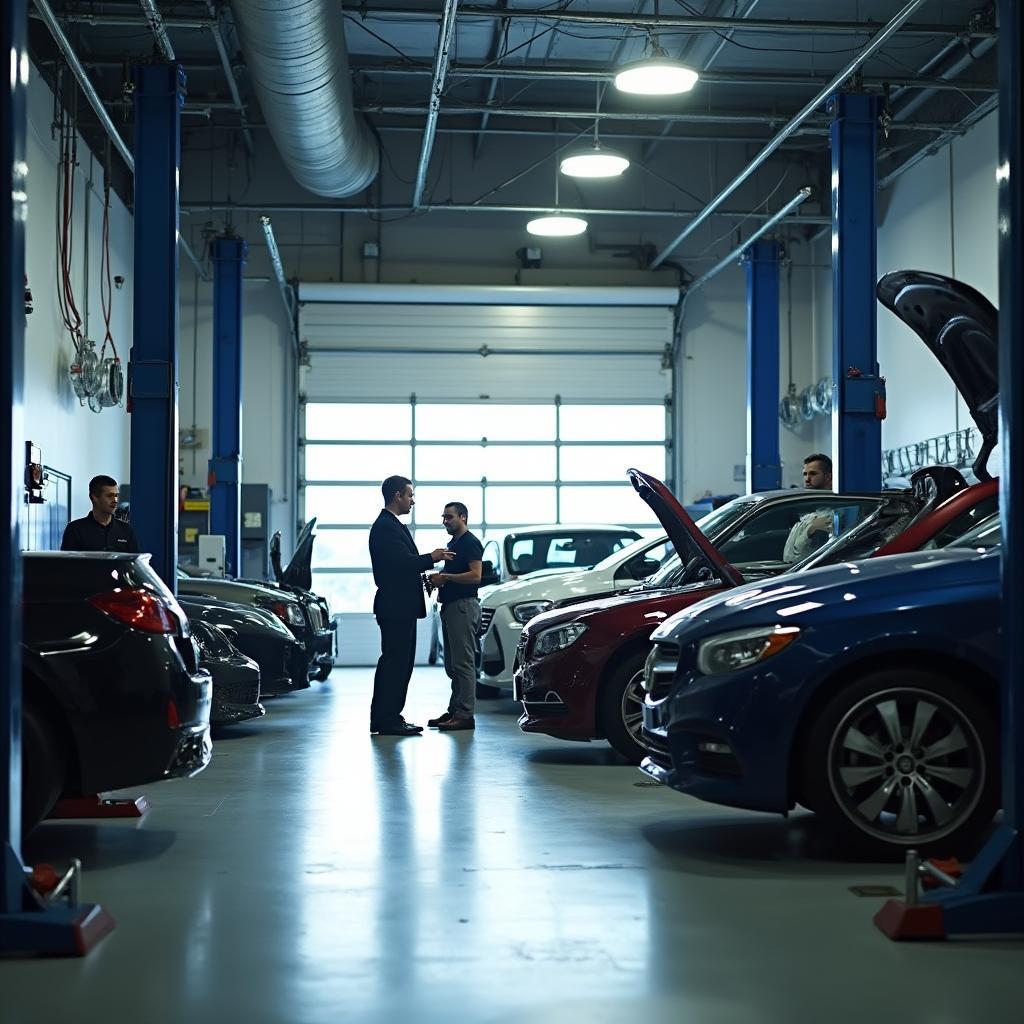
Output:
x=657 y=748
x=486 y=617
x=315 y=616
x=660 y=670
x=246 y=694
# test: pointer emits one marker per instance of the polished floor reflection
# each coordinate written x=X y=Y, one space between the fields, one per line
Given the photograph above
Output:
x=315 y=874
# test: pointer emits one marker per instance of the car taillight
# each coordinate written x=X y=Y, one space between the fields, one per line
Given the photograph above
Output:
x=138 y=609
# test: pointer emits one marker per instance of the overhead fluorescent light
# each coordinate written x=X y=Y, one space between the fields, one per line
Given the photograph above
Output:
x=656 y=76
x=557 y=227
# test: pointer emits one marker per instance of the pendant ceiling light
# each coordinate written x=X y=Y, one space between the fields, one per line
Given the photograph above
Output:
x=595 y=162
x=557 y=226
x=657 y=74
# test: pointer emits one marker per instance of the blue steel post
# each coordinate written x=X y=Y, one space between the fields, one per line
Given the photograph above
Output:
x=764 y=461
x=860 y=389
x=153 y=371
x=27 y=924
x=225 y=479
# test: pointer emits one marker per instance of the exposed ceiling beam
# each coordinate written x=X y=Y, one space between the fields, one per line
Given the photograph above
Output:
x=201 y=208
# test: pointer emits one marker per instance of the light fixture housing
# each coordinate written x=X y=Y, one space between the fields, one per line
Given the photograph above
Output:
x=557 y=226
x=594 y=163
x=656 y=76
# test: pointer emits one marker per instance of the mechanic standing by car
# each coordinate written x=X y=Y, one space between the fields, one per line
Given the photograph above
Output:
x=99 y=530
x=398 y=603
x=460 y=618
x=811 y=531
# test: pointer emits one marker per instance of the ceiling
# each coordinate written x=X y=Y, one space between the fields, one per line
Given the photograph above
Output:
x=524 y=78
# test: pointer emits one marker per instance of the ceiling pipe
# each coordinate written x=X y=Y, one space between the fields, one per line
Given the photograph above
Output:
x=156 y=25
x=949 y=75
x=47 y=16
x=298 y=63
x=877 y=41
x=203 y=208
x=286 y=290
x=445 y=38
x=229 y=75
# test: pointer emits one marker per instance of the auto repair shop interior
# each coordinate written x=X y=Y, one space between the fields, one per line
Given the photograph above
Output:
x=705 y=310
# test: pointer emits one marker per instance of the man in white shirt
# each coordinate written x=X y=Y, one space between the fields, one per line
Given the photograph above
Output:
x=811 y=531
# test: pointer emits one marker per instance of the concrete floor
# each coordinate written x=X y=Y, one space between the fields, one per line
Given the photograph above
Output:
x=313 y=874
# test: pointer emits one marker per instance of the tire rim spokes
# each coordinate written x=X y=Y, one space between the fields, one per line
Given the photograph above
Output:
x=633 y=706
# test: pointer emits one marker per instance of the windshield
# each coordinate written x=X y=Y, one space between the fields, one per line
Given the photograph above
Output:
x=985 y=536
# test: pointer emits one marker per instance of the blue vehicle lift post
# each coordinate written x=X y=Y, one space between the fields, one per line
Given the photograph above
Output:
x=153 y=370
x=28 y=923
x=225 y=472
x=860 y=390
x=764 y=461
x=989 y=898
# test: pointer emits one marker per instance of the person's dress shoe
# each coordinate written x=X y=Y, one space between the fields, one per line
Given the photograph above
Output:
x=402 y=729
x=456 y=723
x=440 y=720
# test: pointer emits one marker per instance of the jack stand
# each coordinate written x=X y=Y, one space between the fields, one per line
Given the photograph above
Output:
x=987 y=900
x=98 y=807
x=48 y=925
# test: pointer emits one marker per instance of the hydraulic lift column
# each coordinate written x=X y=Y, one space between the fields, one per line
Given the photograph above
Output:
x=225 y=471
x=153 y=371
x=28 y=924
x=860 y=390
x=764 y=462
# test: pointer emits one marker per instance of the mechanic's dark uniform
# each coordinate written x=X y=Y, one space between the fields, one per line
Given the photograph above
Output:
x=86 y=534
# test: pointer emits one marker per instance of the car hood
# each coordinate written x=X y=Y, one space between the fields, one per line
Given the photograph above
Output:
x=821 y=594
x=961 y=329
x=230 y=613
x=229 y=590
x=549 y=587
x=681 y=529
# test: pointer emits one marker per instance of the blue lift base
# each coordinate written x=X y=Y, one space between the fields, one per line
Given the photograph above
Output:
x=988 y=901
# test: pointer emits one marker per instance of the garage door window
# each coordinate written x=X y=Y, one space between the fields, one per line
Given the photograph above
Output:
x=512 y=465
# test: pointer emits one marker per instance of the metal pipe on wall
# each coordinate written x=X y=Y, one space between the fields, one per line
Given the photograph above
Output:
x=877 y=41
x=156 y=25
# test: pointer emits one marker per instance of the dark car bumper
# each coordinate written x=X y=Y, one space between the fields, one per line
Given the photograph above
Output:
x=558 y=694
x=724 y=740
x=321 y=647
x=236 y=691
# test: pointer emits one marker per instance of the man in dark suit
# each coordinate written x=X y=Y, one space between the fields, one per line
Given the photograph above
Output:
x=398 y=603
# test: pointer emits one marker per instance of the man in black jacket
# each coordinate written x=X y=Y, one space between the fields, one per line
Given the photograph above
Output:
x=99 y=530
x=398 y=603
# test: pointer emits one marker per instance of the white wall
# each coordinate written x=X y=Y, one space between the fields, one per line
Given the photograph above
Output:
x=267 y=387
x=73 y=439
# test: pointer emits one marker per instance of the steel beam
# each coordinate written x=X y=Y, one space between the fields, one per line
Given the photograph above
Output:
x=860 y=389
x=764 y=460
x=28 y=925
x=225 y=471
x=153 y=370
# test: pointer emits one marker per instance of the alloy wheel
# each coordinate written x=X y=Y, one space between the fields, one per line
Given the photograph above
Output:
x=633 y=706
x=906 y=766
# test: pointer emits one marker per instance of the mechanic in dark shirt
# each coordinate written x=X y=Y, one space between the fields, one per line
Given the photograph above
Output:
x=99 y=530
x=460 y=618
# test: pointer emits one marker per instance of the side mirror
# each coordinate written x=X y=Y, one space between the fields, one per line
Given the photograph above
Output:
x=488 y=577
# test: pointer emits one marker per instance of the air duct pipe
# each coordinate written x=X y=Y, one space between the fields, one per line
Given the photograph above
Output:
x=298 y=63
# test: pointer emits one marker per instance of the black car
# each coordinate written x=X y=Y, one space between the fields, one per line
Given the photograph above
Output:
x=236 y=678
x=259 y=635
x=113 y=692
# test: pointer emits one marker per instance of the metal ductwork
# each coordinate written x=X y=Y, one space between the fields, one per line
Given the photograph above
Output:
x=298 y=64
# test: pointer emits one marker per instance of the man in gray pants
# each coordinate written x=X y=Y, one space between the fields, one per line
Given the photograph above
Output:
x=460 y=618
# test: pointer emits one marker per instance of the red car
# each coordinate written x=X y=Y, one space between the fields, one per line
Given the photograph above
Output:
x=579 y=669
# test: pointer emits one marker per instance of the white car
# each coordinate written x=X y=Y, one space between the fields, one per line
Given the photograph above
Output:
x=506 y=608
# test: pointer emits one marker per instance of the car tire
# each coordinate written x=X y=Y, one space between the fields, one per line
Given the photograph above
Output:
x=620 y=712
x=44 y=767
x=323 y=672
x=904 y=758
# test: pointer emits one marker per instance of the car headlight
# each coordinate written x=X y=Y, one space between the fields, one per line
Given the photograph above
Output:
x=558 y=638
x=728 y=652
x=288 y=613
x=526 y=611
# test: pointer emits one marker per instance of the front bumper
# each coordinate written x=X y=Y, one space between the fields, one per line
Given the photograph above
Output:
x=320 y=649
x=558 y=694
x=498 y=648
x=193 y=753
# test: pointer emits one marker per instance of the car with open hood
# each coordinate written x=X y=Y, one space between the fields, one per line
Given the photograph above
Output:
x=867 y=692
x=579 y=670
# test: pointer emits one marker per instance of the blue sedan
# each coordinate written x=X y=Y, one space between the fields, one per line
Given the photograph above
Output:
x=867 y=692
